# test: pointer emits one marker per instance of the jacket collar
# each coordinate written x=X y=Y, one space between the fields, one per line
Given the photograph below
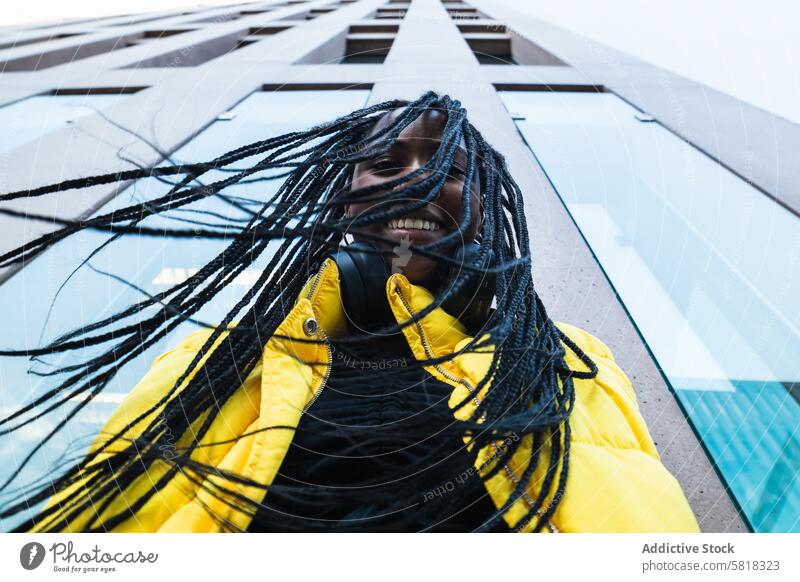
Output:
x=435 y=335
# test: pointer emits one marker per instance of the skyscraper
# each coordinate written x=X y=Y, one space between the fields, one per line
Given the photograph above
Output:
x=658 y=220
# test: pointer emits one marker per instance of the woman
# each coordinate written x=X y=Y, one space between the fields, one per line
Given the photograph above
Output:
x=393 y=368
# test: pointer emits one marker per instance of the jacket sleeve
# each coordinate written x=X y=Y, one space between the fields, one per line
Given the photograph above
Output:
x=156 y=383
x=152 y=387
x=617 y=482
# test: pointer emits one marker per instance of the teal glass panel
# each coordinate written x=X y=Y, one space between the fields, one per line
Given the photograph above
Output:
x=708 y=268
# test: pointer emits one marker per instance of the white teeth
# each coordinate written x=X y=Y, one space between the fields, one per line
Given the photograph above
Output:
x=413 y=224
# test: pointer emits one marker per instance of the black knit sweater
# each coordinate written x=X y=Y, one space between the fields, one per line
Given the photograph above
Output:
x=379 y=450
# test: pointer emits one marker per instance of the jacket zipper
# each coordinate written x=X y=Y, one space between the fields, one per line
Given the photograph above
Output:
x=315 y=282
x=464 y=382
x=325 y=340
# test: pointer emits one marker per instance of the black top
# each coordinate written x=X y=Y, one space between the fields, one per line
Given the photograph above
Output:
x=379 y=450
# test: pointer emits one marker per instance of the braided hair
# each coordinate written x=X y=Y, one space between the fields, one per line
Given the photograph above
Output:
x=530 y=390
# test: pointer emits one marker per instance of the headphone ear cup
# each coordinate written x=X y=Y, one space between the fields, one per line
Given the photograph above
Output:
x=362 y=280
x=363 y=274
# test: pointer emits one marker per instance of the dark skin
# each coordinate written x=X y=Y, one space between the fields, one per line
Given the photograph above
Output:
x=414 y=147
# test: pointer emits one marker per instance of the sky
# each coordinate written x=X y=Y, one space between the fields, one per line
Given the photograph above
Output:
x=750 y=50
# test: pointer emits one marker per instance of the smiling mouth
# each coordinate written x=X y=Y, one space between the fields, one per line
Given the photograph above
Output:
x=413 y=224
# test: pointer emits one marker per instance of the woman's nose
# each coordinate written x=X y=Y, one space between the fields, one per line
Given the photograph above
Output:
x=413 y=167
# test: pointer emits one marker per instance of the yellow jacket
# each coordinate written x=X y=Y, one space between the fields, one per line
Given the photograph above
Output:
x=616 y=481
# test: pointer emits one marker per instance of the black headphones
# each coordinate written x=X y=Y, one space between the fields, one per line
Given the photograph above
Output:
x=363 y=274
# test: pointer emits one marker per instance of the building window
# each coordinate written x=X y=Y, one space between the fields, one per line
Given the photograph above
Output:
x=135 y=21
x=65 y=54
x=30 y=119
x=392 y=11
x=463 y=11
x=698 y=257
x=219 y=18
x=18 y=42
x=150 y=35
x=368 y=42
x=312 y=13
x=493 y=44
x=365 y=45
x=202 y=52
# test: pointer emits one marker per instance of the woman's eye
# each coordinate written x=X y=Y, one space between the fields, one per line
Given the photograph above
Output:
x=457 y=172
x=386 y=167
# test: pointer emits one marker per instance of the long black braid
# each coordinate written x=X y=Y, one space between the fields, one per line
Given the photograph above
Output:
x=531 y=390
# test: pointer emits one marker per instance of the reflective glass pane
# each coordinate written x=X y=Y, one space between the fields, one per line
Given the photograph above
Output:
x=709 y=269
x=152 y=264
x=30 y=119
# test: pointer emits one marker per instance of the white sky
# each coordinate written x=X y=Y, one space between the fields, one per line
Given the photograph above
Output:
x=748 y=49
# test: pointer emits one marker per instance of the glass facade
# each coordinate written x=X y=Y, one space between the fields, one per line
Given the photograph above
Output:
x=32 y=118
x=80 y=294
x=708 y=268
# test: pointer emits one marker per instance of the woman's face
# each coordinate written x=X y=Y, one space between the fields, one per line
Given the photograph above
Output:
x=414 y=147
